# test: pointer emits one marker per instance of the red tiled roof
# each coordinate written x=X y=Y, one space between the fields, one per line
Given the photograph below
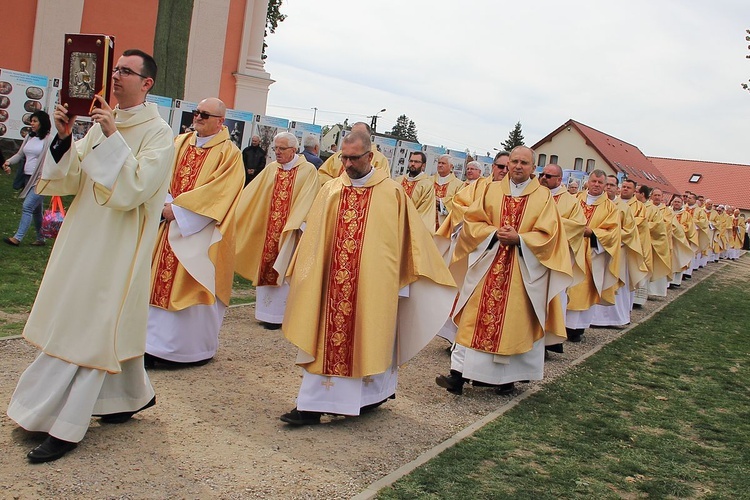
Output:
x=722 y=182
x=620 y=155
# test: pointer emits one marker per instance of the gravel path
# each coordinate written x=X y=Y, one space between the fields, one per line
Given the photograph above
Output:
x=215 y=432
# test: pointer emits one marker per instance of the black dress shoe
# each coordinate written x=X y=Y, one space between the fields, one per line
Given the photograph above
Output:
x=369 y=408
x=151 y=361
x=296 y=417
x=51 y=449
x=270 y=326
x=505 y=389
x=575 y=334
x=558 y=348
x=454 y=382
x=122 y=417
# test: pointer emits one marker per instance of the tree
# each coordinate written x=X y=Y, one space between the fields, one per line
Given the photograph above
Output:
x=747 y=39
x=273 y=18
x=515 y=138
x=404 y=129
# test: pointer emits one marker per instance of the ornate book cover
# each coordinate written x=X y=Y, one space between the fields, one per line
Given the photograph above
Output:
x=87 y=71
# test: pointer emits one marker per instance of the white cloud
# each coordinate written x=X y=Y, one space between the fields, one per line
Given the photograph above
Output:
x=664 y=76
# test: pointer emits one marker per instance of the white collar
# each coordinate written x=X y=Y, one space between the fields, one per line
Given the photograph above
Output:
x=590 y=199
x=363 y=180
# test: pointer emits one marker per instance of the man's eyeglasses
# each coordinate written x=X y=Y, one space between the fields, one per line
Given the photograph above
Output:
x=548 y=176
x=501 y=167
x=204 y=115
x=345 y=158
x=282 y=148
x=126 y=72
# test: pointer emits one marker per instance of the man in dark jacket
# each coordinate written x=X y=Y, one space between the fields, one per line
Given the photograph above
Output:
x=254 y=158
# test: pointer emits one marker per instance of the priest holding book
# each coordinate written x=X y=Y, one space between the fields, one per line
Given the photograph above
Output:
x=89 y=317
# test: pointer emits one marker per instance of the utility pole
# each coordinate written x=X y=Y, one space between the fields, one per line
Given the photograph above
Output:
x=374 y=122
x=315 y=114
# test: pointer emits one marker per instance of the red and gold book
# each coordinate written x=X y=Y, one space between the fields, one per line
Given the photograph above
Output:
x=87 y=71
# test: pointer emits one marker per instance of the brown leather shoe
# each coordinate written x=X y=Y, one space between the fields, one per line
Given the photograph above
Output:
x=38 y=243
x=12 y=241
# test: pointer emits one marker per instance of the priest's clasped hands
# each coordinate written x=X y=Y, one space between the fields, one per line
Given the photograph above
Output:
x=507 y=235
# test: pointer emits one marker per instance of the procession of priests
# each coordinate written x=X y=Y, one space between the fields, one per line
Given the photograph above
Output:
x=358 y=271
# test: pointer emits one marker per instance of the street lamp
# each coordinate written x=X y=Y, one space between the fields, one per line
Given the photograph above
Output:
x=374 y=122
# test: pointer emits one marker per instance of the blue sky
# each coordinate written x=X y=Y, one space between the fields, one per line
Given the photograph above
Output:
x=664 y=75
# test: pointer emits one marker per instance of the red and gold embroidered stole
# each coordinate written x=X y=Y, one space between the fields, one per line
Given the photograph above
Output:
x=408 y=186
x=183 y=180
x=281 y=204
x=341 y=301
x=494 y=300
x=441 y=190
x=588 y=211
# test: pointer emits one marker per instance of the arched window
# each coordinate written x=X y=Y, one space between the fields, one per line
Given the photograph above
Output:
x=542 y=160
x=578 y=165
x=590 y=165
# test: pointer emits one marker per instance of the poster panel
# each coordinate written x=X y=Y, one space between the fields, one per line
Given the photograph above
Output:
x=266 y=127
x=163 y=105
x=458 y=160
x=486 y=162
x=386 y=145
x=182 y=116
x=240 y=124
x=303 y=130
x=20 y=95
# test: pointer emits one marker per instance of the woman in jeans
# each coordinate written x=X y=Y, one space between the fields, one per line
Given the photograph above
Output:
x=32 y=153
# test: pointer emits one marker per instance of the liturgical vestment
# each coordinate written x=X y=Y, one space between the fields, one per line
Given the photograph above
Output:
x=602 y=255
x=421 y=191
x=193 y=264
x=368 y=290
x=445 y=189
x=270 y=215
x=509 y=295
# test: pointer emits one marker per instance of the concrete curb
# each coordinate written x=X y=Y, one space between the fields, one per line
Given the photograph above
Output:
x=372 y=490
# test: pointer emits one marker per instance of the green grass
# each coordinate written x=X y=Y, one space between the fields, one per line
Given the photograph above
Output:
x=21 y=268
x=663 y=412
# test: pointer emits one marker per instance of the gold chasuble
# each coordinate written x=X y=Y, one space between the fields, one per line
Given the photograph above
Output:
x=332 y=167
x=206 y=181
x=602 y=277
x=459 y=204
x=685 y=219
x=509 y=293
x=361 y=246
x=421 y=192
x=700 y=218
x=445 y=193
x=741 y=230
x=661 y=247
x=271 y=210
x=682 y=252
x=640 y=217
x=713 y=225
x=631 y=243
x=574 y=222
